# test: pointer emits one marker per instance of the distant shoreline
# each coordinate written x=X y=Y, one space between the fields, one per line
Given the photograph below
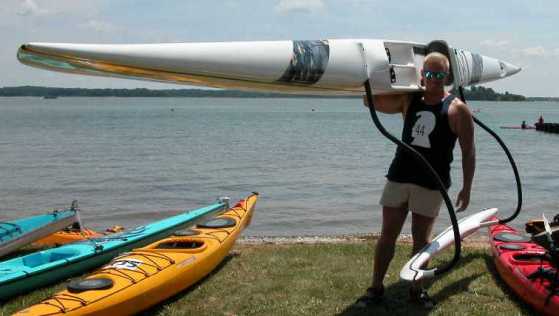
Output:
x=473 y=94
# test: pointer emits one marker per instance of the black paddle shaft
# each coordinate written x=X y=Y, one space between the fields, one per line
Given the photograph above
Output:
x=511 y=160
x=427 y=165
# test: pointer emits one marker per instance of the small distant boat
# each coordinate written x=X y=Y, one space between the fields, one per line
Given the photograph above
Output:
x=548 y=127
x=20 y=232
x=518 y=127
x=50 y=97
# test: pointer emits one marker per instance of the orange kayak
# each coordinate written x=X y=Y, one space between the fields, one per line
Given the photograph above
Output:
x=146 y=276
x=71 y=234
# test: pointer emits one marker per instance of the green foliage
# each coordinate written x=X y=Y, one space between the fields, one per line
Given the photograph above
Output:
x=32 y=91
x=479 y=93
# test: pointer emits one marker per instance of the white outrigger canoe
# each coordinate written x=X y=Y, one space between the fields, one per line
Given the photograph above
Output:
x=319 y=67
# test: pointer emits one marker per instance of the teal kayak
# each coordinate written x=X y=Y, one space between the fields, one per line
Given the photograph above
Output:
x=20 y=232
x=29 y=272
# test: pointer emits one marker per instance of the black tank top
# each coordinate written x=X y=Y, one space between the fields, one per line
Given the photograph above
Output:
x=427 y=130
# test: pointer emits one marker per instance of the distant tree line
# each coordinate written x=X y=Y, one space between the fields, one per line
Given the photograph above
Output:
x=479 y=93
x=473 y=93
x=33 y=91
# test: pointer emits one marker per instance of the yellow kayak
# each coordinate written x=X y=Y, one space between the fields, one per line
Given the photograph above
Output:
x=146 y=276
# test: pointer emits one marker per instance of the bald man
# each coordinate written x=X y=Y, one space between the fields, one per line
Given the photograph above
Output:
x=433 y=121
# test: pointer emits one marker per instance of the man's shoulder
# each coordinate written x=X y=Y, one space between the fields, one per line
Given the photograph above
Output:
x=458 y=107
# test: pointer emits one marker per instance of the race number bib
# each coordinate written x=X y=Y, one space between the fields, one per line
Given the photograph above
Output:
x=422 y=128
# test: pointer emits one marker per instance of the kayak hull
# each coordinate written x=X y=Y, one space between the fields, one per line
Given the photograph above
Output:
x=146 y=276
x=33 y=228
x=516 y=265
x=319 y=67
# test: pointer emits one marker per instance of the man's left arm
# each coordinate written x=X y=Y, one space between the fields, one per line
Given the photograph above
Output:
x=462 y=121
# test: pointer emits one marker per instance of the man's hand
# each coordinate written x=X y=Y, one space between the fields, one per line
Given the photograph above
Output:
x=462 y=200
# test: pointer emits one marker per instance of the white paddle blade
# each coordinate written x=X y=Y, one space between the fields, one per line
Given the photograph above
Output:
x=546 y=224
x=548 y=231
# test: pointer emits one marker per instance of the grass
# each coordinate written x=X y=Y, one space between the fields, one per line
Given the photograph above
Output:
x=325 y=279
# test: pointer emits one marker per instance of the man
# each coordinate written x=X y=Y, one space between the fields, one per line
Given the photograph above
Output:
x=433 y=120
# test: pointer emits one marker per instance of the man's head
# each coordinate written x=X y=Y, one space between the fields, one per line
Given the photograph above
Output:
x=435 y=71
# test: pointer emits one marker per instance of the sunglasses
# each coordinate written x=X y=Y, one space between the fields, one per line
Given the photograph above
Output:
x=439 y=75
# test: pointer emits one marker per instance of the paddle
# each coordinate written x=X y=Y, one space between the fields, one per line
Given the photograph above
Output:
x=548 y=231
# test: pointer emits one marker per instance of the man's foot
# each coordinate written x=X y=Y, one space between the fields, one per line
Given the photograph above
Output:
x=421 y=297
x=374 y=296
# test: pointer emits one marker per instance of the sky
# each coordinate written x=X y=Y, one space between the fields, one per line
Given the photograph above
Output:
x=524 y=33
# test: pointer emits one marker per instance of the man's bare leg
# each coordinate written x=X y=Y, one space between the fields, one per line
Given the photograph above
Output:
x=393 y=219
x=421 y=228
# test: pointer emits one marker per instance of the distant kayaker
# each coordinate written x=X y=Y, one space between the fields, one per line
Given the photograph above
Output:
x=539 y=123
x=433 y=121
x=523 y=125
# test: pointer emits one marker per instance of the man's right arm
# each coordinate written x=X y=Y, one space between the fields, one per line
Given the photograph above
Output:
x=390 y=103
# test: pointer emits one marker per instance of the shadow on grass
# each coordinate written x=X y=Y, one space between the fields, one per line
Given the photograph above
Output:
x=490 y=264
x=162 y=305
x=396 y=296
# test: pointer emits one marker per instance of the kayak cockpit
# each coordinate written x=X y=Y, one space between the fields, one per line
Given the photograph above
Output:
x=45 y=257
x=181 y=244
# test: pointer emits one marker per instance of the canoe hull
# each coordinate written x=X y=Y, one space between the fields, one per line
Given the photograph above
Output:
x=320 y=67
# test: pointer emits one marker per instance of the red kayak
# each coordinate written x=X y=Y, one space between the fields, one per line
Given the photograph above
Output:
x=526 y=269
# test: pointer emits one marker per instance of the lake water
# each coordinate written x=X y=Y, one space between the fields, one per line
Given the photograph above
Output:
x=319 y=164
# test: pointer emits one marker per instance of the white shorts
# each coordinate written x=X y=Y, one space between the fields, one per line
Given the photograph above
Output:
x=418 y=199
